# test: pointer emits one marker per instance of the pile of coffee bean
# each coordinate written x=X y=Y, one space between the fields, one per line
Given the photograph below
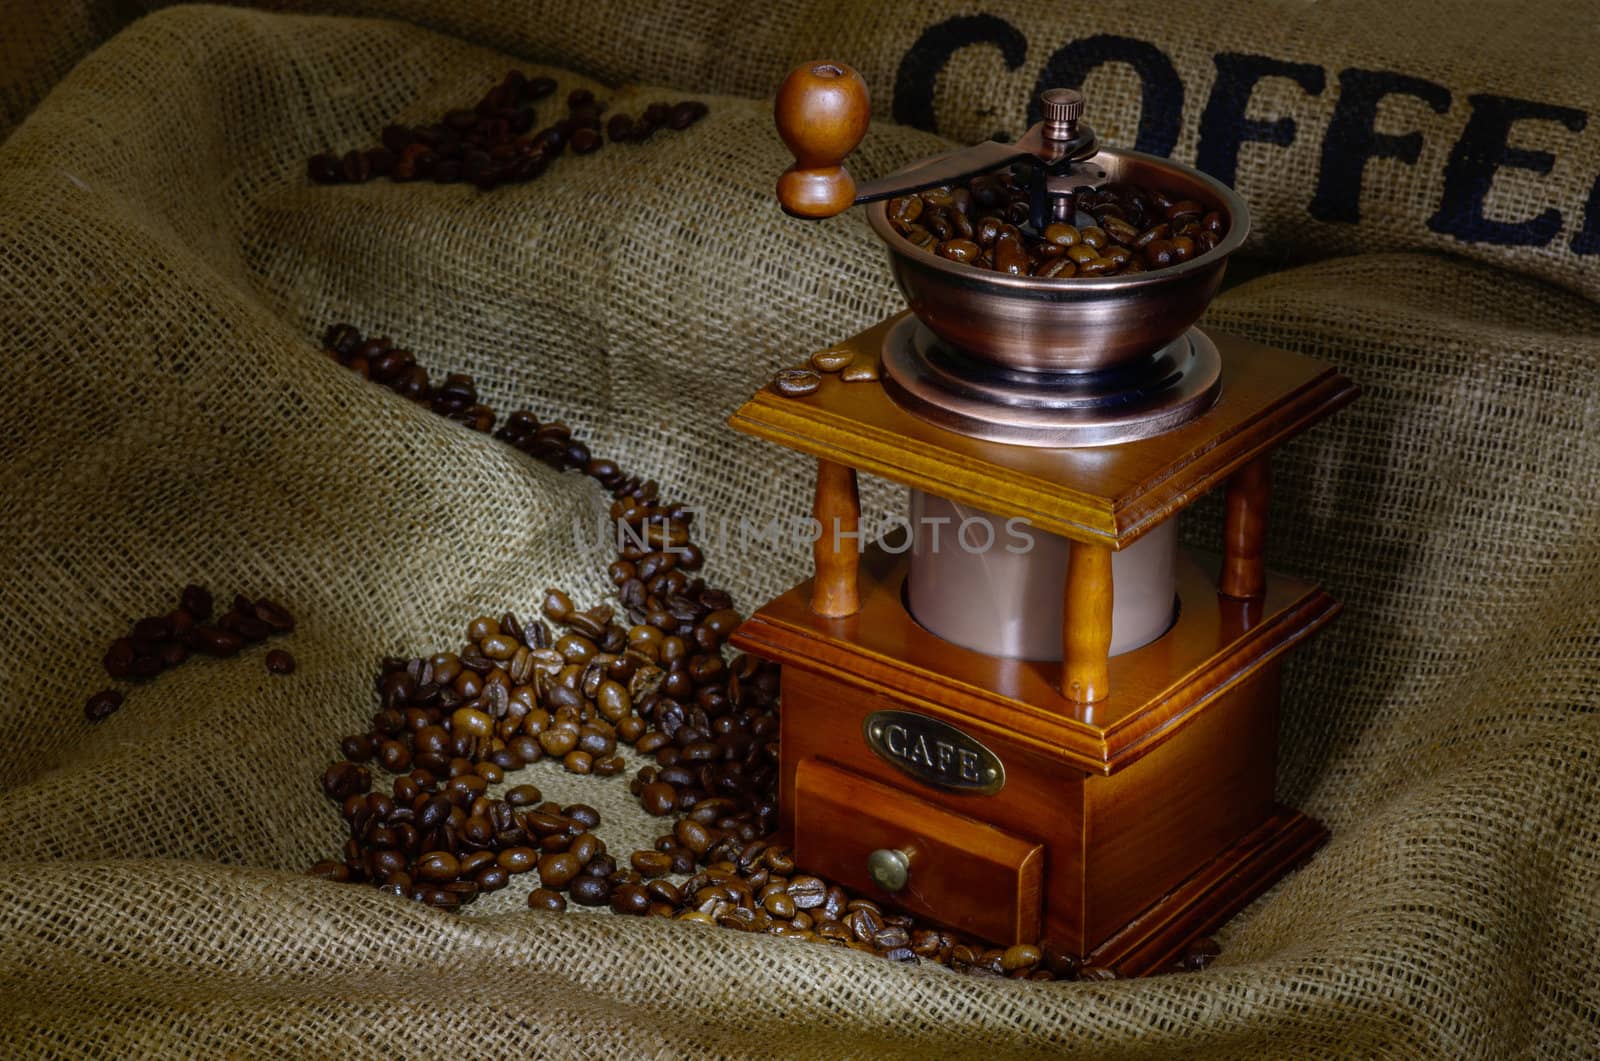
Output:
x=575 y=684
x=985 y=223
x=159 y=642
x=493 y=142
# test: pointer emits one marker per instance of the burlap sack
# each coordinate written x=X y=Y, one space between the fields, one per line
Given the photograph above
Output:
x=164 y=269
x=1350 y=127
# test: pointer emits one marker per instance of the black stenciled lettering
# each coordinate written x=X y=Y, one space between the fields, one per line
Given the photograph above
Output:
x=1587 y=241
x=1485 y=147
x=923 y=61
x=1223 y=126
x=1160 y=100
x=1352 y=140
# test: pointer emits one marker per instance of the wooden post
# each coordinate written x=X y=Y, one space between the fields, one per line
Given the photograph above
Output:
x=837 y=550
x=1244 y=534
x=1086 y=624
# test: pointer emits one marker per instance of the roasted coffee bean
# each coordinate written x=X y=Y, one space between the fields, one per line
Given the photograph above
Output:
x=659 y=798
x=630 y=899
x=1022 y=956
x=435 y=812
x=557 y=605
x=355 y=167
x=214 y=641
x=471 y=722
x=860 y=371
x=651 y=864
x=958 y=250
x=518 y=859
x=437 y=866
x=557 y=870
x=807 y=892
x=582 y=813
x=280 y=662
x=686 y=114
x=118 y=660
x=103 y=705
x=523 y=795
x=274 y=615
x=344 y=779
x=796 y=382
x=324 y=169
x=545 y=899
x=590 y=891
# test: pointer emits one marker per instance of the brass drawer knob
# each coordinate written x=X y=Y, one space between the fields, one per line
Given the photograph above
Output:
x=890 y=869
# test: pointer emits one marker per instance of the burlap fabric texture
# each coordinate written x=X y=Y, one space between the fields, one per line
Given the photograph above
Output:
x=164 y=270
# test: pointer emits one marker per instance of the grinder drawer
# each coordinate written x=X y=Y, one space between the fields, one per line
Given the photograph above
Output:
x=956 y=870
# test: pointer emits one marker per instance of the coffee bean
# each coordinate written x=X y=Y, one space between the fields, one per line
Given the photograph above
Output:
x=659 y=798
x=833 y=359
x=437 y=866
x=559 y=740
x=1020 y=956
x=686 y=114
x=557 y=606
x=214 y=641
x=860 y=371
x=651 y=864
x=590 y=891
x=345 y=779
x=807 y=892
x=557 y=870
x=472 y=722
x=796 y=382
x=102 y=705
x=280 y=662
x=518 y=859
x=324 y=169
x=545 y=899
x=118 y=660
x=523 y=795
x=630 y=899
x=693 y=835
x=275 y=616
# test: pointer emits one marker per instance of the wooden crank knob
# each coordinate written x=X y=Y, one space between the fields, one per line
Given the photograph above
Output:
x=822 y=112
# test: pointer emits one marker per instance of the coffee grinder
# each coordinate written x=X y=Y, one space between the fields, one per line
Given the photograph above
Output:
x=1073 y=738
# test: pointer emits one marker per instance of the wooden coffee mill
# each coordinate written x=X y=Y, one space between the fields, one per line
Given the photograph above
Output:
x=1077 y=739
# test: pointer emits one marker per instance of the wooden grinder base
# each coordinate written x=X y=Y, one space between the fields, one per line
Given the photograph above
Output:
x=1136 y=809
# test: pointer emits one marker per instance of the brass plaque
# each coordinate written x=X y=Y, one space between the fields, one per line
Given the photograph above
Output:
x=934 y=752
